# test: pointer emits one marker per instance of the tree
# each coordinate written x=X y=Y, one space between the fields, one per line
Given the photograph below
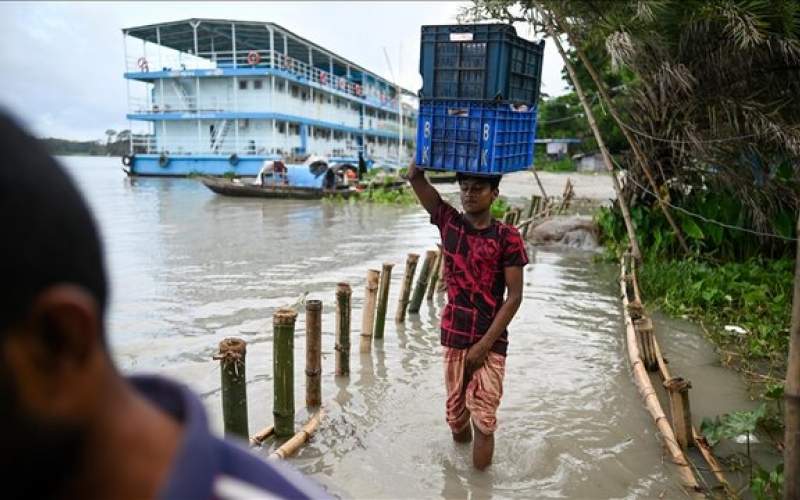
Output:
x=110 y=133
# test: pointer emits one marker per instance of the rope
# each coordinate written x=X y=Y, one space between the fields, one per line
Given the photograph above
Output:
x=678 y=141
x=704 y=218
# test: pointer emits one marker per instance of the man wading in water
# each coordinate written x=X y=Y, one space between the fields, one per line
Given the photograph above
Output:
x=482 y=259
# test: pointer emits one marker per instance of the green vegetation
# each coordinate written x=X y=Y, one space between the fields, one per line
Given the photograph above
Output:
x=114 y=144
x=500 y=207
x=381 y=195
x=544 y=164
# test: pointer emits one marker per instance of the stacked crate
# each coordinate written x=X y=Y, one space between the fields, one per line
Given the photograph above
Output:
x=478 y=100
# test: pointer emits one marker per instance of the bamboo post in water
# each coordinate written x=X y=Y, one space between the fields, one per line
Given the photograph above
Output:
x=231 y=358
x=422 y=282
x=437 y=265
x=383 y=299
x=283 y=371
x=313 y=353
x=678 y=390
x=531 y=210
x=405 y=290
x=368 y=318
x=343 y=294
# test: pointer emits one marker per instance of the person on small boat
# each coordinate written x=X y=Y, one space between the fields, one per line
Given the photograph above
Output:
x=483 y=261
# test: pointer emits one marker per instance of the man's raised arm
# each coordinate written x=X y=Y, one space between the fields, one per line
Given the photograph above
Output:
x=426 y=193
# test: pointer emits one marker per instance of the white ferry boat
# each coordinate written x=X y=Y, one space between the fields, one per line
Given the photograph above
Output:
x=223 y=97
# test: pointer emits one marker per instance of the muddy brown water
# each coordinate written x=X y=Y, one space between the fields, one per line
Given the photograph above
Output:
x=190 y=268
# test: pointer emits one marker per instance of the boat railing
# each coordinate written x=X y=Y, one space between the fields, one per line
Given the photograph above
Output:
x=181 y=61
x=228 y=146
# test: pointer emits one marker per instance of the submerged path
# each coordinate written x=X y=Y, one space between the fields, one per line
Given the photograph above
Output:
x=190 y=268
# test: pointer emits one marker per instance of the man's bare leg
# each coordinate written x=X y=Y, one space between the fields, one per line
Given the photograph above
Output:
x=464 y=436
x=482 y=449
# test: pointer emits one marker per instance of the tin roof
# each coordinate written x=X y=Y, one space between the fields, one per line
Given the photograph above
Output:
x=215 y=35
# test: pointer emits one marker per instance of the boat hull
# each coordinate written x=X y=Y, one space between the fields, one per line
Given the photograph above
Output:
x=227 y=187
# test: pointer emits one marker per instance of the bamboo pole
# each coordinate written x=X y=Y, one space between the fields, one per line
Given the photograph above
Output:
x=638 y=153
x=283 y=371
x=405 y=290
x=531 y=210
x=705 y=450
x=422 y=282
x=292 y=445
x=791 y=393
x=262 y=435
x=650 y=399
x=437 y=266
x=368 y=315
x=383 y=299
x=626 y=215
x=313 y=353
x=539 y=182
x=343 y=294
x=231 y=358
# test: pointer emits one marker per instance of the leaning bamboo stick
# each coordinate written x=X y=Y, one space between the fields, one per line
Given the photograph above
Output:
x=295 y=442
x=405 y=289
x=711 y=460
x=650 y=399
x=262 y=435
x=437 y=265
x=383 y=299
x=422 y=282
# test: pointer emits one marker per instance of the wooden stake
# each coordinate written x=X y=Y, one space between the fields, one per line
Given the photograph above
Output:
x=292 y=445
x=791 y=393
x=368 y=316
x=383 y=299
x=231 y=358
x=678 y=390
x=422 y=282
x=283 y=371
x=626 y=215
x=313 y=353
x=405 y=290
x=539 y=182
x=437 y=265
x=343 y=294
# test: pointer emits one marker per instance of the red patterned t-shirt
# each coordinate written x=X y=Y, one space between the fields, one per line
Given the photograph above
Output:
x=474 y=263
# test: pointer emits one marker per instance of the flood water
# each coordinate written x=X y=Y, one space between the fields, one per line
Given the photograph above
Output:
x=189 y=268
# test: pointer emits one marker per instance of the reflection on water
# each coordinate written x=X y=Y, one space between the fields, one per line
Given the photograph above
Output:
x=190 y=268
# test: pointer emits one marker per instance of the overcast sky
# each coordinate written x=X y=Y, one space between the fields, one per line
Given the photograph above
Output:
x=62 y=62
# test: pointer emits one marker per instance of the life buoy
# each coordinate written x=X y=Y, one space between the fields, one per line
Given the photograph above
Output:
x=163 y=160
x=253 y=58
x=233 y=159
x=142 y=64
x=323 y=77
x=127 y=160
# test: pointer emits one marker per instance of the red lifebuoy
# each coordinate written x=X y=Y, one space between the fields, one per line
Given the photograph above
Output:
x=142 y=64
x=323 y=77
x=253 y=58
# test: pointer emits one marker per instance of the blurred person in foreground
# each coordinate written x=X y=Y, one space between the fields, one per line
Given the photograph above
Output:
x=71 y=426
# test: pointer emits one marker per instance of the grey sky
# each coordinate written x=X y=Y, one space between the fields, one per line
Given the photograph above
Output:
x=62 y=62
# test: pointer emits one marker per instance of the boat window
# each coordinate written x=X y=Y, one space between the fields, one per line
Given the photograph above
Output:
x=242 y=84
x=258 y=84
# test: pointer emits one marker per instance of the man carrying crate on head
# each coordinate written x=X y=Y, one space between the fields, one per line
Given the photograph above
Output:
x=483 y=258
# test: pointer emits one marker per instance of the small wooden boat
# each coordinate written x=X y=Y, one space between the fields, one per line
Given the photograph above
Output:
x=228 y=187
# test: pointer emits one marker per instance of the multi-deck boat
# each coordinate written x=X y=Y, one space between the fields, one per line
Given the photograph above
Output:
x=223 y=97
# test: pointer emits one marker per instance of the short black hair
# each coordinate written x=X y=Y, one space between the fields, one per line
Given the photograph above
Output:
x=493 y=180
x=48 y=232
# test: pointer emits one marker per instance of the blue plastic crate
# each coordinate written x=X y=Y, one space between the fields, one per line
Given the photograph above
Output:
x=481 y=62
x=479 y=137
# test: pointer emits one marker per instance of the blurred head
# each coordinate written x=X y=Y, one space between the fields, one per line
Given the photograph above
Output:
x=478 y=192
x=53 y=296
